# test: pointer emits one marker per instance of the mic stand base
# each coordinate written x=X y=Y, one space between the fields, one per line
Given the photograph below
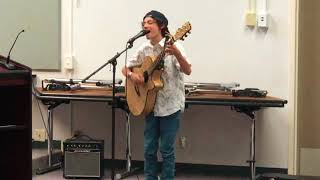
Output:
x=129 y=170
x=126 y=174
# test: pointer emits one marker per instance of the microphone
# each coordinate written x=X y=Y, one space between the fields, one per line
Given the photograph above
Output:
x=140 y=34
x=7 y=63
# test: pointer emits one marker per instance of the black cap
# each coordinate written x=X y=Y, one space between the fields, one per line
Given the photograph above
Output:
x=158 y=16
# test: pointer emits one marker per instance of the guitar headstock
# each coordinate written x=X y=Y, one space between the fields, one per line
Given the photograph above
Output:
x=182 y=32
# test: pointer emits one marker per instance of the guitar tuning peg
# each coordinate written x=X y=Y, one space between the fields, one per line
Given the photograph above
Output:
x=182 y=39
x=186 y=35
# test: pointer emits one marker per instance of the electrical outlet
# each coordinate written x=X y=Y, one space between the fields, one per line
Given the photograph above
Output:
x=262 y=20
x=68 y=62
x=40 y=135
x=250 y=19
x=183 y=142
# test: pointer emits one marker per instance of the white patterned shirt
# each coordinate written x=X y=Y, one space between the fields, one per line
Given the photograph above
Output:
x=171 y=98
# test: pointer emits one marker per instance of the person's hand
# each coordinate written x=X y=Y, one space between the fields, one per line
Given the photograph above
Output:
x=172 y=50
x=137 y=78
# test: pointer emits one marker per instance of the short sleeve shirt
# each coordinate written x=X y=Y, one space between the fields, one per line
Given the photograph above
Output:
x=171 y=98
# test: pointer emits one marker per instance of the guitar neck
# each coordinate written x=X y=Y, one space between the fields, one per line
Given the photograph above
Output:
x=156 y=62
x=179 y=35
x=160 y=57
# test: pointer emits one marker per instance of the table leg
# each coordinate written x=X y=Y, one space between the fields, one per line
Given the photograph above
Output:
x=51 y=166
x=252 y=149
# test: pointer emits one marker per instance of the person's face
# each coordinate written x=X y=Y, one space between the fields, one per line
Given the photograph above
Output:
x=150 y=24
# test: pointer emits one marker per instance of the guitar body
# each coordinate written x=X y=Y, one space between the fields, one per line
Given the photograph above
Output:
x=141 y=97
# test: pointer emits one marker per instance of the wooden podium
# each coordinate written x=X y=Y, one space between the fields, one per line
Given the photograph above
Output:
x=15 y=122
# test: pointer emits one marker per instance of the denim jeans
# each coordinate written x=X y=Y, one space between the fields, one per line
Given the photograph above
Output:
x=160 y=131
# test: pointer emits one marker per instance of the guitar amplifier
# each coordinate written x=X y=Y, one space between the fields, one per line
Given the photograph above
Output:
x=83 y=158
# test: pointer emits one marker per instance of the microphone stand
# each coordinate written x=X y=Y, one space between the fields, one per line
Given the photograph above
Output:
x=112 y=61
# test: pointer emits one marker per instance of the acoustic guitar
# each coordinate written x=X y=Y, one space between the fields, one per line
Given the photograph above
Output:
x=141 y=97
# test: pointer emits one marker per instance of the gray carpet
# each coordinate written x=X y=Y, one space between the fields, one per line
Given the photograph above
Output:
x=40 y=160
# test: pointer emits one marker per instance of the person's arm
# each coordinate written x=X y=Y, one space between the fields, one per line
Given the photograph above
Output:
x=133 y=61
x=137 y=78
x=185 y=66
x=126 y=71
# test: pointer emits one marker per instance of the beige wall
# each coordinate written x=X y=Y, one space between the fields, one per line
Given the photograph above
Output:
x=309 y=87
x=309 y=74
x=221 y=49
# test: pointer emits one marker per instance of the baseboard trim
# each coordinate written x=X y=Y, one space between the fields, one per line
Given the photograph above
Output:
x=203 y=168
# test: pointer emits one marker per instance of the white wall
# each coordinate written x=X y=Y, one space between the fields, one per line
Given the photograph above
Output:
x=221 y=49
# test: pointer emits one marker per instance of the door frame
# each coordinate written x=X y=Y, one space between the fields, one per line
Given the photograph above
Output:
x=293 y=151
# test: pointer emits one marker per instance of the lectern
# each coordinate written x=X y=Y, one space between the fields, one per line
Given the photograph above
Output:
x=15 y=122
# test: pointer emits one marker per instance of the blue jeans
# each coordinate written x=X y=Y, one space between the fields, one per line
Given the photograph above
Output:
x=164 y=129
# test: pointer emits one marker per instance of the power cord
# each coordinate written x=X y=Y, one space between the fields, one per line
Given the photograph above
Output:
x=34 y=94
x=125 y=65
x=44 y=124
x=126 y=83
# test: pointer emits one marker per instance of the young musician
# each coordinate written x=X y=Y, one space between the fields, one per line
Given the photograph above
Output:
x=162 y=124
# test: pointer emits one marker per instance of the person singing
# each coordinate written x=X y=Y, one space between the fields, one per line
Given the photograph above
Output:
x=161 y=125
